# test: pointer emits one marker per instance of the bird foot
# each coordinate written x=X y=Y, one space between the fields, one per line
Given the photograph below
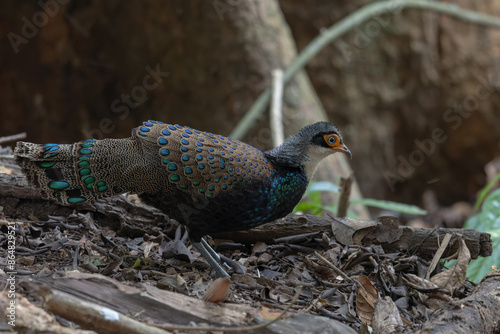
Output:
x=211 y=256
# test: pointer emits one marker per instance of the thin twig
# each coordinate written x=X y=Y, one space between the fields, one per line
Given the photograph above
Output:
x=348 y=23
x=276 y=108
x=439 y=253
x=15 y=137
x=333 y=267
x=235 y=329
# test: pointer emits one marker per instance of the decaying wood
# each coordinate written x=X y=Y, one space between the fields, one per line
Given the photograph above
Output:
x=30 y=318
x=291 y=225
x=118 y=308
x=93 y=316
x=394 y=238
x=19 y=199
x=477 y=313
x=386 y=232
x=142 y=301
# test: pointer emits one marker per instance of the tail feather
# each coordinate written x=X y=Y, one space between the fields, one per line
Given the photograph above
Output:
x=93 y=169
x=64 y=172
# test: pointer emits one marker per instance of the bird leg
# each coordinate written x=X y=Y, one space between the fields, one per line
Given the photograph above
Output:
x=211 y=256
x=212 y=252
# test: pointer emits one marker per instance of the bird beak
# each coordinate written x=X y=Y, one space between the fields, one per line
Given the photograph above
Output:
x=342 y=148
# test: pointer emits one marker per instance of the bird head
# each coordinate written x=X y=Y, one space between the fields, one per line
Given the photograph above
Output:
x=309 y=146
x=325 y=139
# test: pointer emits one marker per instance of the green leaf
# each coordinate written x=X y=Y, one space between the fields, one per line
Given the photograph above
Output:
x=490 y=214
x=352 y=214
x=137 y=263
x=479 y=267
x=314 y=204
x=387 y=205
x=485 y=190
x=304 y=206
x=488 y=221
x=323 y=186
x=473 y=222
x=312 y=201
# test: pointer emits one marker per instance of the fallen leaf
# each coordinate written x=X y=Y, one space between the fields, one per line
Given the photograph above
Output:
x=259 y=248
x=456 y=276
x=366 y=296
x=268 y=314
x=431 y=294
x=174 y=281
x=325 y=272
x=218 y=291
x=5 y=170
x=147 y=248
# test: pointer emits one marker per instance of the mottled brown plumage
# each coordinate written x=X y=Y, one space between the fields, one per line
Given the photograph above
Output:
x=208 y=182
x=164 y=157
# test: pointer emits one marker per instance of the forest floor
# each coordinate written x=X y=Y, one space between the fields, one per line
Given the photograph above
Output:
x=151 y=274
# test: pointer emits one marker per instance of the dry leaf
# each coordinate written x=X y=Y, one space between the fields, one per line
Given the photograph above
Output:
x=259 y=247
x=325 y=273
x=387 y=318
x=81 y=243
x=217 y=292
x=456 y=276
x=147 y=249
x=436 y=296
x=366 y=296
x=5 y=170
x=174 y=281
x=268 y=314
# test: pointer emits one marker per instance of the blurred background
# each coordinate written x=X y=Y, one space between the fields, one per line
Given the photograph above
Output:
x=415 y=93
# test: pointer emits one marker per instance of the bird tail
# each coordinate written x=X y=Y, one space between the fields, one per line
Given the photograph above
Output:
x=70 y=173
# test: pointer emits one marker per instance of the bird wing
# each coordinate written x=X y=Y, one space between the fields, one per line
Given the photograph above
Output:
x=204 y=163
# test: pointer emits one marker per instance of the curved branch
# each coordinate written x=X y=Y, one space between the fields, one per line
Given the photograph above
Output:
x=346 y=24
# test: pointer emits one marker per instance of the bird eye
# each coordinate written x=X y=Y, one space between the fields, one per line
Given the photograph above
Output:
x=331 y=140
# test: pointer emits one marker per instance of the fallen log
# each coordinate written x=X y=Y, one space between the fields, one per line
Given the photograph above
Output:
x=477 y=313
x=21 y=200
x=120 y=308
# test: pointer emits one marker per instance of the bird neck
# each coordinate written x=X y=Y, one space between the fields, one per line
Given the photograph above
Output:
x=285 y=155
x=294 y=156
x=296 y=152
